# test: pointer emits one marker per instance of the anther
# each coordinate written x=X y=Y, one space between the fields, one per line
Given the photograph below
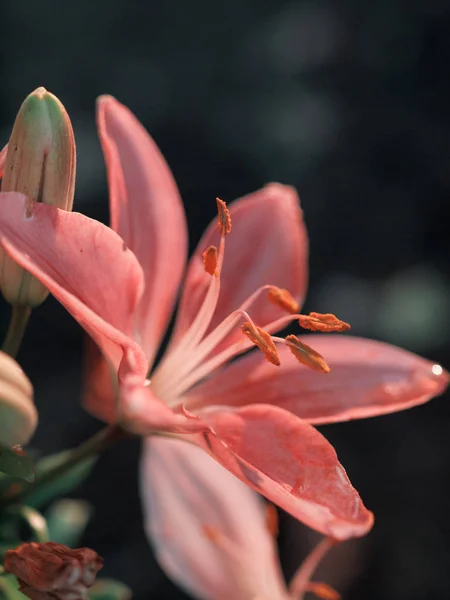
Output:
x=323 y=591
x=224 y=217
x=263 y=341
x=306 y=355
x=322 y=322
x=284 y=299
x=210 y=258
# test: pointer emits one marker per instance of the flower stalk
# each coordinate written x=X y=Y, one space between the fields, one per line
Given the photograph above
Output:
x=99 y=442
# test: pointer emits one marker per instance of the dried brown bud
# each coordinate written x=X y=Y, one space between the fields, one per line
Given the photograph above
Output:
x=52 y=571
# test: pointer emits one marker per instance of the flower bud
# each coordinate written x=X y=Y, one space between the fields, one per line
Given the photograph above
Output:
x=18 y=414
x=53 y=571
x=40 y=163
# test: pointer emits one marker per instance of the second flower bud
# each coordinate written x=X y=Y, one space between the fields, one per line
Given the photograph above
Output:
x=40 y=163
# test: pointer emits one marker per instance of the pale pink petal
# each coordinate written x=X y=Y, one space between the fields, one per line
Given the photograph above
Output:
x=124 y=397
x=128 y=400
x=3 y=160
x=209 y=531
x=147 y=212
x=141 y=412
x=289 y=462
x=87 y=268
x=267 y=245
x=367 y=378
x=84 y=265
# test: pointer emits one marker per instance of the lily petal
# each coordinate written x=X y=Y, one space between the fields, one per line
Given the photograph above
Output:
x=123 y=397
x=100 y=385
x=84 y=265
x=367 y=378
x=141 y=412
x=267 y=245
x=147 y=212
x=289 y=462
x=209 y=531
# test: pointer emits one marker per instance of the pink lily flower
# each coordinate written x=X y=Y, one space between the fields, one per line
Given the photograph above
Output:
x=120 y=284
x=212 y=534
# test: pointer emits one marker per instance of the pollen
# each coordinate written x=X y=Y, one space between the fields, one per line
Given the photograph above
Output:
x=323 y=591
x=210 y=258
x=263 y=341
x=224 y=217
x=284 y=299
x=322 y=322
x=306 y=355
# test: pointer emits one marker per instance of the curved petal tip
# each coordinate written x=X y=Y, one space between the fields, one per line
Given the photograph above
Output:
x=292 y=464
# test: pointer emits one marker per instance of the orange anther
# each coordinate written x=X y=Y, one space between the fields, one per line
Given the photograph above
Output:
x=283 y=299
x=263 y=341
x=306 y=355
x=323 y=591
x=224 y=217
x=322 y=322
x=272 y=519
x=210 y=258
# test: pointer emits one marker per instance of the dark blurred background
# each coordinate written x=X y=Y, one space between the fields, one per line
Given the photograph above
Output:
x=349 y=102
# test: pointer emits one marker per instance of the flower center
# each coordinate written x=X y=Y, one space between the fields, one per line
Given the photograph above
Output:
x=190 y=360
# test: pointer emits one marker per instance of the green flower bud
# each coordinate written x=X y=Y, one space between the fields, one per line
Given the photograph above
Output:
x=18 y=414
x=40 y=163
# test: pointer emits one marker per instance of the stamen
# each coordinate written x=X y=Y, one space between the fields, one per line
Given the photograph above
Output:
x=188 y=358
x=272 y=520
x=263 y=341
x=195 y=368
x=307 y=355
x=284 y=299
x=301 y=582
x=322 y=322
x=212 y=339
x=323 y=591
x=198 y=327
x=210 y=259
x=224 y=217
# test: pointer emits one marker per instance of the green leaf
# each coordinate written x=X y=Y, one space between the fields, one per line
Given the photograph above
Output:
x=9 y=588
x=61 y=485
x=109 y=589
x=16 y=464
x=67 y=520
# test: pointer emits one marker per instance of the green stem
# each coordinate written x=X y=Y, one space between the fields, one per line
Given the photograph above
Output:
x=16 y=330
x=103 y=439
